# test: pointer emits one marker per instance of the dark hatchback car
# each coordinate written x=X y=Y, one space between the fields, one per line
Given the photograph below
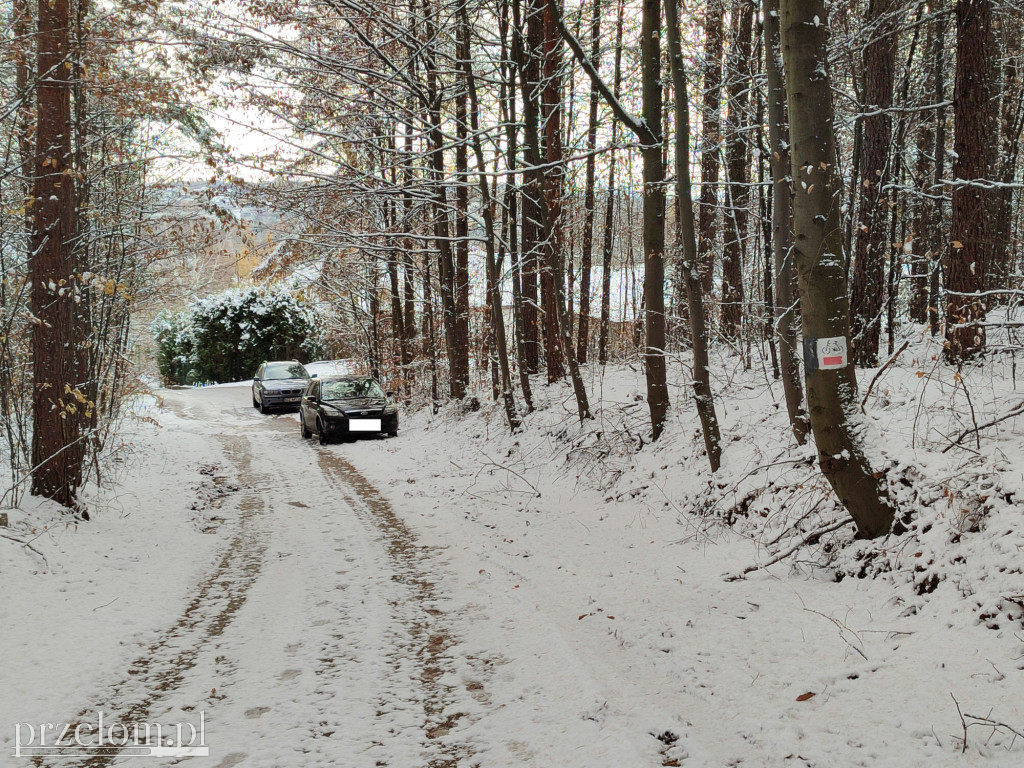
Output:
x=279 y=385
x=346 y=406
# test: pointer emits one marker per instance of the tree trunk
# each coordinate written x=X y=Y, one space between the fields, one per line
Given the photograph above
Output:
x=551 y=186
x=711 y=129
x=786 y=316
x=439 y=200
x=968 y=256
x=532 y=243
x=702 y=393
x=648 y=131
x=461 y=365
x=508 y=100
x=936 y=239
x=923 y=207
x=825 y=309
x=586 y=257
x=492 y=266
x=533 y=158
x=58 y=403
x=654 y=218
x=1010 y=123
x=608 y=242
x=872 y=242
x=738 y=170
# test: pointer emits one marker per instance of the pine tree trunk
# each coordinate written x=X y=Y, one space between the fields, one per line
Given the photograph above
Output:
x=967 y=260
x=825 y=309
x=58 y=403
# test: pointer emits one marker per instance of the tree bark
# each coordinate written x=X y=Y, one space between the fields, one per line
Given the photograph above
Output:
x=586 y=257
x=872 y=242
x=527 y=62
x=533 y=158
x=818 y=236
x=738 y=170
x=702 y=392
x=492 y=266
x=461 y=363
x=552 y=182
x=58 y=403
x=608 y=242
x=711 y=129
x=507 y=89
x=648 y=130
x=441 y=223
x=967 y=259
x=786 y=316
x=654 y=218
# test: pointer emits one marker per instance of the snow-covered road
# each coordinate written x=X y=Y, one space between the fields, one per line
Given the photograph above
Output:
x=317 y=637
x=415 y=603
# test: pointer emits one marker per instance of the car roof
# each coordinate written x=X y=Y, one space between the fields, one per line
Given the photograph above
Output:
x=345 y=377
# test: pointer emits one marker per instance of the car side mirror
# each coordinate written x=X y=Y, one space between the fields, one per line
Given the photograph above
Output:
x=389 y=393
x=312 y=375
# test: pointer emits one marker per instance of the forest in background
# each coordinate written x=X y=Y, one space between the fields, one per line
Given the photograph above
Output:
x=460 y=183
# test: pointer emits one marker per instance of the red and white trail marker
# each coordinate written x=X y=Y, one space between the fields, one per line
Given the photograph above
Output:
x=832 y=352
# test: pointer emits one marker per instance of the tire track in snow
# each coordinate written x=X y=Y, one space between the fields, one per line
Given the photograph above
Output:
x=217 y=598
x=427 y=636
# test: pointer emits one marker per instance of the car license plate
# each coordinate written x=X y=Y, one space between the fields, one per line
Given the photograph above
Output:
x=292 y=399
x=364 y=425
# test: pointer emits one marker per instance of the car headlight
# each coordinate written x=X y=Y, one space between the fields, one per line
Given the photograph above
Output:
x=390 y=409
x=333 y=414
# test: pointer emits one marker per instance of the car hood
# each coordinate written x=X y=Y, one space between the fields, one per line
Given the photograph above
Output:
x=284 y=383
x=357 y=403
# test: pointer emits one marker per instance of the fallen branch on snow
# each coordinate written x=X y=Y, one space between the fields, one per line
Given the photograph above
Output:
x=812 y=536
x=29 y=546
x=1017 y=410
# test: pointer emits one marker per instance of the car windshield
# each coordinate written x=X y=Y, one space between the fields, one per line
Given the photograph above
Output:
x=284 y=371
x=343 y=390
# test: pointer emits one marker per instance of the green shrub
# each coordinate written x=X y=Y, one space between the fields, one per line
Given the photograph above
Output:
x=225 y=336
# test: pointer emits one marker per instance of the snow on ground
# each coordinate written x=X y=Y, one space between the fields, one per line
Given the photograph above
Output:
x=564 y=596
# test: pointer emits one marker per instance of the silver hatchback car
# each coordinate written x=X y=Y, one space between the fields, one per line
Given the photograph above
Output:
x=279 y=384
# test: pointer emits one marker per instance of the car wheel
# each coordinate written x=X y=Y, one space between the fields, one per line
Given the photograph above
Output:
x=321 y=432
x=254 y=403
x=306 y=434
x=392 y=434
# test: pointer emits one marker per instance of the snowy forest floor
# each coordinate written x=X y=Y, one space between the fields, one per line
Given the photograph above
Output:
x=566 y=596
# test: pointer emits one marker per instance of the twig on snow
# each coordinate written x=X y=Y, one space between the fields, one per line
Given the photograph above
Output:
x=1017 y=410
x=815 y=534
x=28 y=545
x=881 y=370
